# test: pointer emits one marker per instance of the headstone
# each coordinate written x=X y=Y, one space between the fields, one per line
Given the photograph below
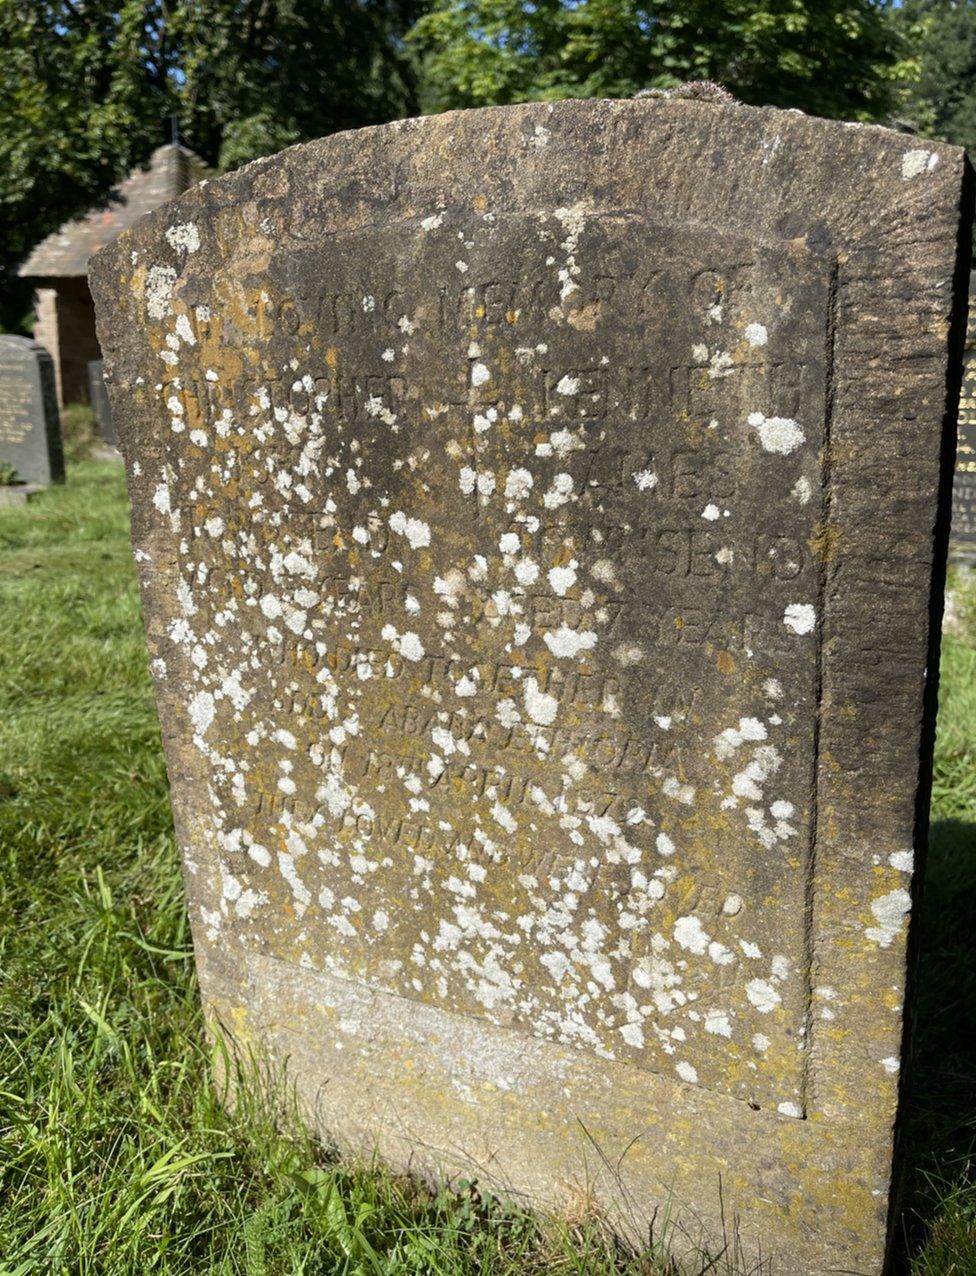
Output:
x=99 y=401
x=962 y=545
x=30 y=429
x=535 y=514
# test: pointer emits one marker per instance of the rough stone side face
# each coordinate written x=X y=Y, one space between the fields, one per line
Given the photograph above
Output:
x=538 y=513
x=962 y=546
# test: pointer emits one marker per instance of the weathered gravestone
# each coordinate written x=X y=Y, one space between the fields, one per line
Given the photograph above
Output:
x=963 y=540
x=30 y=429
x=98 y=397
x=539 y=512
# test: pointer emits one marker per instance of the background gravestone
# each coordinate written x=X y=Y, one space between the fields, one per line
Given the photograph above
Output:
x=963 y=542
x=535 y=513
x=98 y=397
x=30 y=429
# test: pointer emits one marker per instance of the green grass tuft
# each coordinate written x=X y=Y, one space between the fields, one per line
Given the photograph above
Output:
x=79 y=431
x=117 y=1153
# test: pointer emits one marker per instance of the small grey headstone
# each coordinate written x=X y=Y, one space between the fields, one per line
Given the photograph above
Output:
x=99 y=401
x=30 y=429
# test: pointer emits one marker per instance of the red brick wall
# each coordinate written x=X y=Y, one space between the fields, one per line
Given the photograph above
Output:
x=65 y=326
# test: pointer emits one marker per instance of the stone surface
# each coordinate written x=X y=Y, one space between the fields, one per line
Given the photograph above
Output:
x=30 y=429
x=541 y=515
x=962 y=544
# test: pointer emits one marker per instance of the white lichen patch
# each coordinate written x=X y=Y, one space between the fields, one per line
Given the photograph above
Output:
x=184 y=237
x=756 y=334
x=159 y=291
x=415 y=530
x=569 y=643
x=763 y=995
x=777 y=434
x=889 y=912
x=801 y=490
x=690 y=934
x=800 y=617
x=539 y=706
x=918 y=161
x=408 y=644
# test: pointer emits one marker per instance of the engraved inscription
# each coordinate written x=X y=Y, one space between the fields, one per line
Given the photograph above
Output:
x=16 y=404
x=468 y=511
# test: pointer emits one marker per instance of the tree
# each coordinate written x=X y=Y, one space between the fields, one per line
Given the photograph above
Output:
x=940 y=95
x=834 y=57
x=76 y=105
x=87 y=86
x=260 y=74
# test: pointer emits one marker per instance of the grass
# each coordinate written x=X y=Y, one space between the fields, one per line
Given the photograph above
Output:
x=117 y=1154
x=79 y=431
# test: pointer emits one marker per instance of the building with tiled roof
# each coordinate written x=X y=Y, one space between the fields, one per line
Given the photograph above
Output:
x=59 y=264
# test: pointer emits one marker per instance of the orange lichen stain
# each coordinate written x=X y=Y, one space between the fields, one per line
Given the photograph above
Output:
x=480 y=202
x=511 y=316
x=237 y=1019
x=678 y=623
x=824 y=542
x=892 y=999
x=724 y=662
x=332 y=357
x=480 y=312
x=585 y=318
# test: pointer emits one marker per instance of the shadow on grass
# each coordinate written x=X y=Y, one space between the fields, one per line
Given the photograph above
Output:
x=939 y=1209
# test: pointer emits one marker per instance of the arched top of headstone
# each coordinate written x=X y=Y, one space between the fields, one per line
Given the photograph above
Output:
x=13 y=346
x=770 y=174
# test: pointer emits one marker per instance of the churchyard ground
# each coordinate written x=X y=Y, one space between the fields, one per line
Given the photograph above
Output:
x=116 y=1152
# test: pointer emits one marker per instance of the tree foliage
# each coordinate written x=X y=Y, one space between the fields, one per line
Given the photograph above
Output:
x=830 y=58
x=940 y=93
x=86 y=87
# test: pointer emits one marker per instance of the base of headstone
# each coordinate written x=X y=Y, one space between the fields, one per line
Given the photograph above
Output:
x=106 y=452
x=18 y=494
